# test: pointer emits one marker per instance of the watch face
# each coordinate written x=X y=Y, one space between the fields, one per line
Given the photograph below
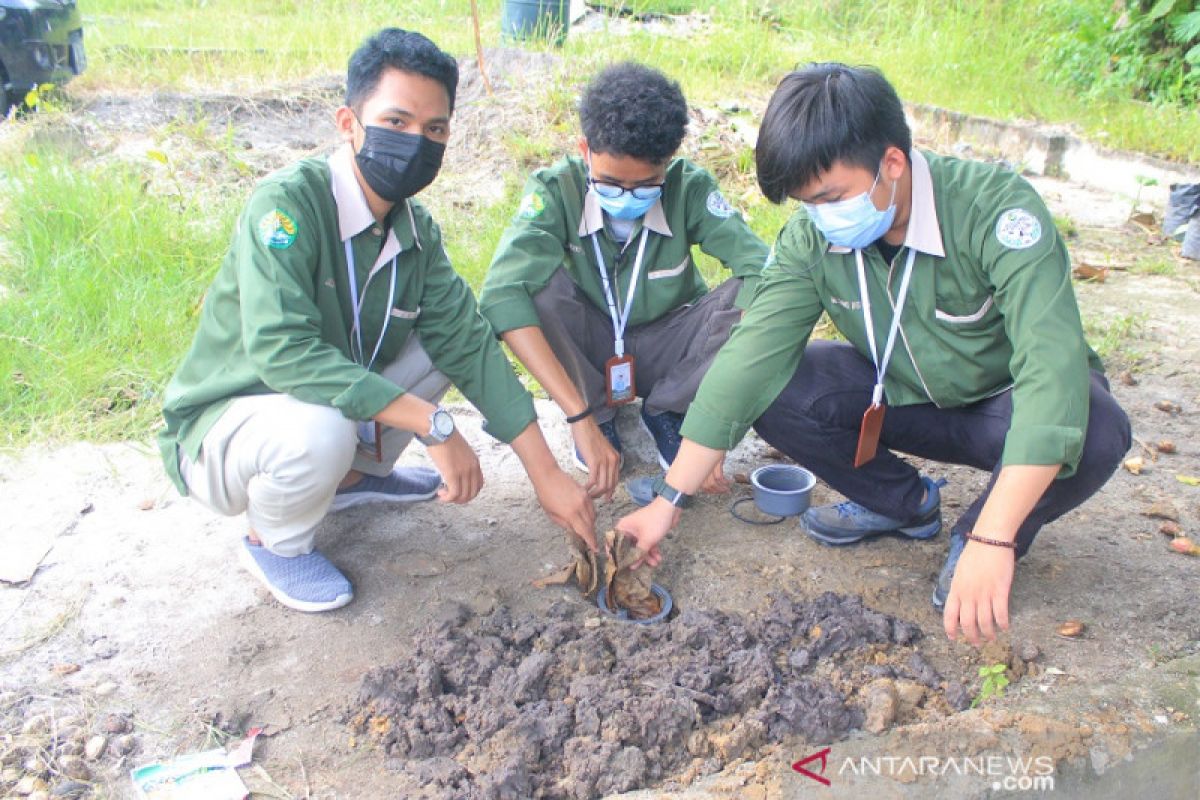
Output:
x=443 y=423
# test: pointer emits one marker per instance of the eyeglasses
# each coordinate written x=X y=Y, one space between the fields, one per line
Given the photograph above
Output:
x=612 y=191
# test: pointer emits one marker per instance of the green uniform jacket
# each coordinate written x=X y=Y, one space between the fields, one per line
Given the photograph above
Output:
x=552 y=230
x=277 y=318
x=990 y=307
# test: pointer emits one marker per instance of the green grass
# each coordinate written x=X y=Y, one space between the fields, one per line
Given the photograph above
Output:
x=101 y=295
x=1110 y=335
x=104 y=257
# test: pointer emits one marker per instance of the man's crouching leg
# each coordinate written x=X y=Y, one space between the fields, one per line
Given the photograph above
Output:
x=280 y=461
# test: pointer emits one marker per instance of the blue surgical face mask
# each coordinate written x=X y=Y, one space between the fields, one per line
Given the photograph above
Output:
x=621 y=203
x=626 y=206
x=856 y=222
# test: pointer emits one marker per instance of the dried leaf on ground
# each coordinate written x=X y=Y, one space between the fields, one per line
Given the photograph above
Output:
x=1190 y=480
x=1087 y=272
x=1134 y=465
x=1168 y=407
x=1162 y=509
x=1166 y=446
x=1071 y=629
x=1170 y=528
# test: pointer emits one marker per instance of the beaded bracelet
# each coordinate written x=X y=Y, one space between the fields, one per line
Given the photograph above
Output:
x=993 y=542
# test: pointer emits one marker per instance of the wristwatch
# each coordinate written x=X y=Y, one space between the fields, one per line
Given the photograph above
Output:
x=669 y=493
x=441 y=427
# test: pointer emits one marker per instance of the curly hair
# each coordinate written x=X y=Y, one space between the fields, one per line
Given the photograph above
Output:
x=407 y=51
x=632 y=110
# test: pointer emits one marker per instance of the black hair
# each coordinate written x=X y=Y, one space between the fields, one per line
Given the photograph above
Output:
x=632 y=110
x=394 y=48
x=822 y=114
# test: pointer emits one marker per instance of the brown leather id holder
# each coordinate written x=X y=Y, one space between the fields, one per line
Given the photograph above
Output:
x=619 y=380
x=868 y=434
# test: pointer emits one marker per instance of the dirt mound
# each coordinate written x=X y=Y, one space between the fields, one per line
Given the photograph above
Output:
x=563 y=707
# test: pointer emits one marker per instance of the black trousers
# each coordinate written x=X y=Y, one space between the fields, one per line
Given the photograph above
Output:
x=816 y=419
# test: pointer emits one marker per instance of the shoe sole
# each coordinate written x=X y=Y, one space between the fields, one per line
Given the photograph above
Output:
x=836 y=538
x=343 y=501
x=582 y=467
x=248 y=563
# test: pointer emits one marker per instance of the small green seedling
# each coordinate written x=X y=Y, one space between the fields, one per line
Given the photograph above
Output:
x=994 y=681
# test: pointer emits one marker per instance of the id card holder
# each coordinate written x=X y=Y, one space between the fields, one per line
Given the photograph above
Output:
x=868 y=434
x=370 y=439
x=619 y=385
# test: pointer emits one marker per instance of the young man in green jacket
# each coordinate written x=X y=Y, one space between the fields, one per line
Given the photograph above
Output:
x=330 y=333
x=593 y=285
x=964 y=345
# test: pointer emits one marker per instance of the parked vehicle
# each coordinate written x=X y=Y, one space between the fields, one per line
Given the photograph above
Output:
x=41 y=41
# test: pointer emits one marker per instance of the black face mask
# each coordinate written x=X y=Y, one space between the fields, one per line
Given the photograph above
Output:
x=397 y=165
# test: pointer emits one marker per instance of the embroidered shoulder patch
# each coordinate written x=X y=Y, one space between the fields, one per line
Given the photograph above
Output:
x=278 y=230
x=1017 y=229
x=718 y=206
x=531 y=206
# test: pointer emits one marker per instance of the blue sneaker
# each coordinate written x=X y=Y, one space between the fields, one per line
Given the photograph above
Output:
x=664 y=428
x=306 y=583
x=404 y=485
x=848 y=522
x=609 y=429
x=941 y=589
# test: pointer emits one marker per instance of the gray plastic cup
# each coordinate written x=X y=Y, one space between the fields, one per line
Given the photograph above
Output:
x=784 y=490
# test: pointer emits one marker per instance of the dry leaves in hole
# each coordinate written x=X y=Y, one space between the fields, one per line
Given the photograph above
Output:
x=627 y=588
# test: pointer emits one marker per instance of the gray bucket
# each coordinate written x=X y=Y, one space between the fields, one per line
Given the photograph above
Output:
x=783 y=490
x=535 y=19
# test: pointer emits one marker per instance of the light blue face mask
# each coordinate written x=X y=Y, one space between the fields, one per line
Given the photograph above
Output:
x=626 y=206
x=621 y=203
x=856 y=222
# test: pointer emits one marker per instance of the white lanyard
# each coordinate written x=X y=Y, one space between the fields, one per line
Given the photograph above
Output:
x=356 y=304
x=881 y=367
x=620 y=318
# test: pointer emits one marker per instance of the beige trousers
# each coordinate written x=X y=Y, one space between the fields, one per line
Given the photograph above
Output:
x=280 y=460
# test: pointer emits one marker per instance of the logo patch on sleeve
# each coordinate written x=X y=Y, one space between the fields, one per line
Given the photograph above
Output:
x=1017 y=229
x=278 y=230
x=532 y=205
x=718 y=206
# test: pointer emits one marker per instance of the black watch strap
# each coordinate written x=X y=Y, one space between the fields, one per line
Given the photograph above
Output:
x=669 y=493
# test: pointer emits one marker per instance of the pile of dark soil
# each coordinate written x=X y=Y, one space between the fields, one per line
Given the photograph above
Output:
x=560 y=707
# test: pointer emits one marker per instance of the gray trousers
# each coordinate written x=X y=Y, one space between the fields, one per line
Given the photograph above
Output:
x=279 y=460
x=671 y=353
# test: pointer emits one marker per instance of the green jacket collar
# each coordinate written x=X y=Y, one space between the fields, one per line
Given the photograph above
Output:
x=354 y=215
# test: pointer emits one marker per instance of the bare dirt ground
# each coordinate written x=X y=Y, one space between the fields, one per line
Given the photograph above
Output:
x=139 y=630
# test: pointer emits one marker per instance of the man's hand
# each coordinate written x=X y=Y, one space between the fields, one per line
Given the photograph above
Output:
x=978 y=598
x=459 y=466
x=603 y=462
x=716 y=482
x=648 y=526
x=567 y=504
